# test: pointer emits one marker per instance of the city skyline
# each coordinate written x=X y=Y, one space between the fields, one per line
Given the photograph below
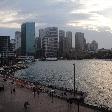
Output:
x=93 y=18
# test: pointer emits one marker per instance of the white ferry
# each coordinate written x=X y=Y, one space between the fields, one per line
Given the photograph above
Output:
x=51 y=59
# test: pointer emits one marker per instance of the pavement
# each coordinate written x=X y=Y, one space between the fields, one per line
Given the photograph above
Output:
x=40 y=103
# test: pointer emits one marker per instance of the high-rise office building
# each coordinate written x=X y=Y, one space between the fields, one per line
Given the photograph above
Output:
x=11 y=52
x=4 y=46
x=94 y=46
x=61 y=42
x=17 y=40
x=80 y=42
x=67 y=44
x=12 y=44
x=18 y=43
x=69 y=39
x=50 y=42
x=41 y=35
x=38 y=47
x=38 y=43
x=7 y=55
x=28 y=38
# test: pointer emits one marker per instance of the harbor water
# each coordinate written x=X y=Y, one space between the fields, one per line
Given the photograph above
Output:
x=92 y=76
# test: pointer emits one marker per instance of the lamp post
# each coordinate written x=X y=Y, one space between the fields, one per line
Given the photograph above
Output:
x=52 y=92
x=74 y=88
x=78 y=97
x=74 y=79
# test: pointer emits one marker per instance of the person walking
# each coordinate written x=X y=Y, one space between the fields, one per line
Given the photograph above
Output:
x=38 y=92
x=14 y=91
x=12 y=87
x=26 y=104
x=34 y=91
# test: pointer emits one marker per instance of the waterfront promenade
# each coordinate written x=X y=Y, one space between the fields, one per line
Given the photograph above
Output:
x=42 y=103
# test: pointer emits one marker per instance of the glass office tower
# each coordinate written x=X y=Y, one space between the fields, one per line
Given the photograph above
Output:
x=28 y=39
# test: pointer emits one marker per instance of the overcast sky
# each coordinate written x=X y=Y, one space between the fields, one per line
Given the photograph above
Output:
x=93 y=17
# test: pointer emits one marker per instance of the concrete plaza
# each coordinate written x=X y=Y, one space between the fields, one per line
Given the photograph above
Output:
x=42 y=103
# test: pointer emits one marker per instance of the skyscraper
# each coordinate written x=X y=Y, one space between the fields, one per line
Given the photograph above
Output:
x=69 y=39
x=38 y=47
x=94 y=46
x=4 y=46
x=28 y=38
x=41 y=35
x=6 y=51
x=50 y=42
x=80 y=44
x=17 y=40
x=12 y=45
x=67 y=44
x=80 y=41
x=18 y=43
x=61 y=42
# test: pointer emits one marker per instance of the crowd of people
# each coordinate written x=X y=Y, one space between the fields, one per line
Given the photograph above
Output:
x=36 y=89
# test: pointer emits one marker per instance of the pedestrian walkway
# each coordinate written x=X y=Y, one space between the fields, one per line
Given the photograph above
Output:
x=40 y=103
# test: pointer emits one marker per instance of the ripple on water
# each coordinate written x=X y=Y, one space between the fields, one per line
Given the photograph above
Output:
x=92 y=76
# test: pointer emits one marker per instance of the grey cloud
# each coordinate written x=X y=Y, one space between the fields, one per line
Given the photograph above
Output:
x=53 y=13
x=44 y=10
x=80 y=16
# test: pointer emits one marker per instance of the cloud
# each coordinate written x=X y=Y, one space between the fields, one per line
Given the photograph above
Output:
x=89 y=15
x=13 y=19
x=41 y=10
x=99 y=12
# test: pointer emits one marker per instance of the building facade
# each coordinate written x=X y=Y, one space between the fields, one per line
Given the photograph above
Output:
x=50 y=42
x=38 y=47
x=80 y=44
x=69 y=39
x=41 y=35
x=12 y=45
x=7 y=55
x=4 y=46
x=18 y=43
x=61 y=42
x=94 y=46
x=80 y=41
x=28 y=39
x=68 y=44
x=17 y=40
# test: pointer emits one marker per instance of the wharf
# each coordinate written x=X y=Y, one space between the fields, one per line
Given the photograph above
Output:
x=40 y=103
x=62 y=99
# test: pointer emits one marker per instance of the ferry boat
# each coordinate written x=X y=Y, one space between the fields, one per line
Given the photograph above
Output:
x=51 y=59
x=48 y=59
